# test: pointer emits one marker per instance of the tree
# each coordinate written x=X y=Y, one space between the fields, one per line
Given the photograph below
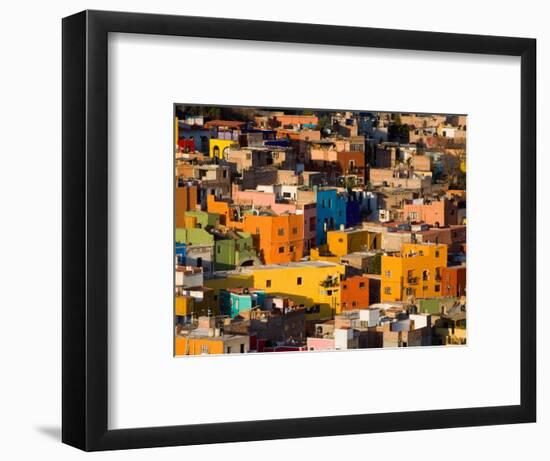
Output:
x=375 y=264
x=324 y=122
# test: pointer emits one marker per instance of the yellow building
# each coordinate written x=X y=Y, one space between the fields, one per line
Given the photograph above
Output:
x=196 y=301
x=321 y=253
x=230 y=279
x=219 y=146
x=413 y=273
x=313 y=284
x=343 y=242
x=184 y=305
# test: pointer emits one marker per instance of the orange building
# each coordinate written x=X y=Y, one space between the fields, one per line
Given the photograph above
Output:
x=278 y=238
x=453 y=281
x=186 y=200
x=354 y=293
x=285 y=120
x=207 y=339
x=227 y=213
x=351 y=163
x=438 y=213
x=203 y=344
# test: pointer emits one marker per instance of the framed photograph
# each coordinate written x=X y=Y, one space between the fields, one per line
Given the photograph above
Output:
x=278 y=230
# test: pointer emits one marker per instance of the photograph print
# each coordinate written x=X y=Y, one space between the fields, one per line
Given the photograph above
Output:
x=304 y=230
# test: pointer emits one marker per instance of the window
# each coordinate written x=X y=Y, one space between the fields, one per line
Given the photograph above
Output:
x=225 y=173
x=437 y=288
x=281 y=249
x=354 y=304
x=387 y=290
x=361 y=285
x=294 y=230
x=437 y=253
x=299 y=281
x=409 y=291
x=329 y=292
x=312 y=224
x=204 y=349
x=340 y=240
x=344 y=305
x=280 y=231
x=424 y=275
x=388 y=274
x=268 y=283
x=219 y=249
x=344 y=287
x=291 y=248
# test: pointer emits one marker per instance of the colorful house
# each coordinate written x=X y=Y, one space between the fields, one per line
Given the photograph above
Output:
x=194 y=236
x=233 y=249
x=199 y=342
x=203 y=219
x=186 y=196
x=343 y=242
x=278 y=238
x=453 y=281
x=355 y=293
x=235 y=301
x=312 y=284
x=437 y=213
x=331 y=212
x=353 y=211
x=219 y=147
x=415 y=272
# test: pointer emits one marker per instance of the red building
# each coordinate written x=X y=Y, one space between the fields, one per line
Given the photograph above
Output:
x=453 y=281
x=187 y=145
x=354 y=293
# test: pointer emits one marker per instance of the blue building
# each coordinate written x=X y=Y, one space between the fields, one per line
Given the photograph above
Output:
x=331 y=213
x=199 y=134
x=181 y=251
x=233 y=301
x=353 y=210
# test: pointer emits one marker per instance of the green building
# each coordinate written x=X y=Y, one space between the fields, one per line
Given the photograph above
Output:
x=204 y=218
x=234 y=249
x=436 y=305
x=194 y=236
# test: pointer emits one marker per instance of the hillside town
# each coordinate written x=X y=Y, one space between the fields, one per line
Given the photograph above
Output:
x=311 y=230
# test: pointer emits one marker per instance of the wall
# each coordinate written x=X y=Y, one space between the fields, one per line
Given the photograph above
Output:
x=30 y=37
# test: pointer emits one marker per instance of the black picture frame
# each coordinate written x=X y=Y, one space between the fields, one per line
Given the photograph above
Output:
x=85 y=219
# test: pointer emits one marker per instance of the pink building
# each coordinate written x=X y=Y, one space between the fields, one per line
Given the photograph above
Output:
x=320 y=344
x=438 y=213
